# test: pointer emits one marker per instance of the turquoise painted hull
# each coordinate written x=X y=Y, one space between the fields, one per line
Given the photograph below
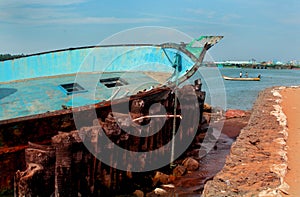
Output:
x=32 y=84
x=90 y=59
x=42 y=94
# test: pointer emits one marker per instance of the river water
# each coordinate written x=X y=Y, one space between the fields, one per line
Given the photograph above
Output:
x=242 y=94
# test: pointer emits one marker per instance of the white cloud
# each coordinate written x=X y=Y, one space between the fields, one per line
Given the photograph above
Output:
x=55 y=17
x=290 y=20
x=100 y=20
x=196 y=20
x=20 y=3
x=213 y=15
x=35 y=11
x=55 y=2
x=229 y=17
x=202 y=12
x=53 y=12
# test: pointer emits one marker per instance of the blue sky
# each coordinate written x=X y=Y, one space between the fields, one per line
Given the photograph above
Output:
x=259 y=29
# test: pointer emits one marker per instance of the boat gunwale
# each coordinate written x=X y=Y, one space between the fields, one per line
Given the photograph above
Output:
x=90 y=47
x=179 y=47
x=169 y=84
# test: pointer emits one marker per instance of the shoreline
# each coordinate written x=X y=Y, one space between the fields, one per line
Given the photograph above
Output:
x=257 y=163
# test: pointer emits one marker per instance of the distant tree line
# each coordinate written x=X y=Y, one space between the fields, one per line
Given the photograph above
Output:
x=4 y=57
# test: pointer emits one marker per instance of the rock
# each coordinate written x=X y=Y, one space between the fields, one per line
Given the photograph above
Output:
x=279 y=169
x=159 y=191
x=160 y=178
x=217 y=110
x=190 y=164
x=170 y=186
x=207 y=108
x=205 y=117
x=284 y=188
x=254 y=166
x=234 y=113
x=172 y=178
x=179 y=170
x=138 y=193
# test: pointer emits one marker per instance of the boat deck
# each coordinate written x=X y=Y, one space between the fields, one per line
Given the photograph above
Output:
x=41 y=95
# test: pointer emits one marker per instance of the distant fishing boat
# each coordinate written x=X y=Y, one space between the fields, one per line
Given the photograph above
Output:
x=241 y=78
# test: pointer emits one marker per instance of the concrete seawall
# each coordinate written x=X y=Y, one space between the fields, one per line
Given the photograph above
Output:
x=257 y=162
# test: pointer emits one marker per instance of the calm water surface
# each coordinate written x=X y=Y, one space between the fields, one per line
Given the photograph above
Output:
x=242 y=94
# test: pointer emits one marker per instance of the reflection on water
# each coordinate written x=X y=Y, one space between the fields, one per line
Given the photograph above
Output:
x=192 y=184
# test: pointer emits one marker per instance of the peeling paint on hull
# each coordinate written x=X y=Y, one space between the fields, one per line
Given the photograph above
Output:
x=18 y=127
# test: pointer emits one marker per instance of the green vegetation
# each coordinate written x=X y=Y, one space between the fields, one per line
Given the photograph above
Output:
x=4 y=57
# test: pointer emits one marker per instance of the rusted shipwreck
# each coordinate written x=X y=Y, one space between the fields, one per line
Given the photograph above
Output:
x=65 y=107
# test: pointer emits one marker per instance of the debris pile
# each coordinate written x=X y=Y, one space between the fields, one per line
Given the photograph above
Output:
x=69 y=165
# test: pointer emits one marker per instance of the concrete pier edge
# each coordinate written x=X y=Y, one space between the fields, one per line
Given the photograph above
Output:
x=257 y=163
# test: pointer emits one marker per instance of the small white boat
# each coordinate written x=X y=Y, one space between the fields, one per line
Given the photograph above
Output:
x=241 y=78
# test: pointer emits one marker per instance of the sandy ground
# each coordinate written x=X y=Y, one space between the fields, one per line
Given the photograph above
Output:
x=291 y=108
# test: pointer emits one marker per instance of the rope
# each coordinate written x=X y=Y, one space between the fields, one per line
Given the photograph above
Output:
x=175 y=111
x=175 y=104
x=157 y=116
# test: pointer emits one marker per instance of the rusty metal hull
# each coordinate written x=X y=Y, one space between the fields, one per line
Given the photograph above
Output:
x=74 y=164
x=16 y=133
x=18 y=128
x=19 y=131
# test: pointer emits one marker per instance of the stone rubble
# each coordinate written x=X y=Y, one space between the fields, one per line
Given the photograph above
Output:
x=257 y=162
